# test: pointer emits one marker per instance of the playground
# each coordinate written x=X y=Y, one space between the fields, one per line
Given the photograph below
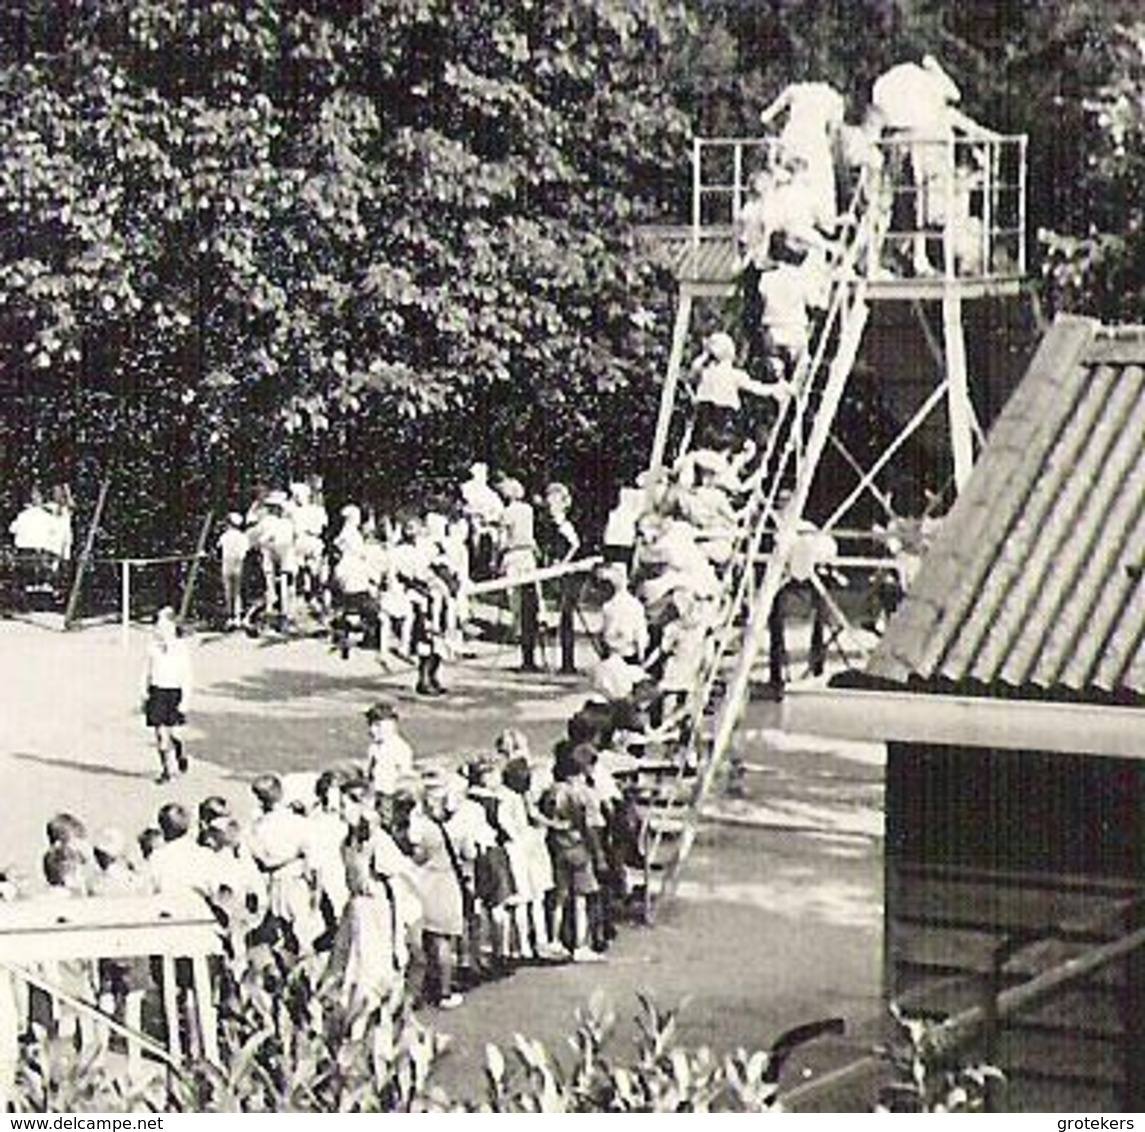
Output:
x=514 y=505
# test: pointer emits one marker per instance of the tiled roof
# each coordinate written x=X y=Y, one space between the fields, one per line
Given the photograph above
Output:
x=1027 y=588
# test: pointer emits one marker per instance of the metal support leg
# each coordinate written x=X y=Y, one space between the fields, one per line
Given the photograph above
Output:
x=125 y=602
x=958 y=389
x=672 y=380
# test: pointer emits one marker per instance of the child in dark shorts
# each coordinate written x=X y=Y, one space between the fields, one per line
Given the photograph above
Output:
x=565 y=805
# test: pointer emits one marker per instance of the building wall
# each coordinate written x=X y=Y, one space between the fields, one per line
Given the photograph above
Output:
x=990 y=851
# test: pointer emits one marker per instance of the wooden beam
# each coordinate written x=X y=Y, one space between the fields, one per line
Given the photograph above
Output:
x=958 y=388
x=85 y=555
x=867 y=482
x=541 y=574
x=964 y=1027
x=196 y=563
x=960 y=1028
x=36 y=979
x=107 y=927
x=967 y=721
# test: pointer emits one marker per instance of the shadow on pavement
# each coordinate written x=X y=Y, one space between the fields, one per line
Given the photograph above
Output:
x=84 y=768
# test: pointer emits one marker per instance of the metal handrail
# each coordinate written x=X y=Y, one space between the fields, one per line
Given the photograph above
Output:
x=763 y=514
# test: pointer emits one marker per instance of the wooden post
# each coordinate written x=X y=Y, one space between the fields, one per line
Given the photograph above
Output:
x=205 y=1014
x=85 y=555
x=11 y=1024
x=697 y=198
x=171 y=1008
x=193 y=573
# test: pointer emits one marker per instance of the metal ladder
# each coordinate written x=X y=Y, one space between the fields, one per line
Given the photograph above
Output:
x=791 y=458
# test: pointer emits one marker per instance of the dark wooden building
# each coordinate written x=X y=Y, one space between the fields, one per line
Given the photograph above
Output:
x=1010 y=690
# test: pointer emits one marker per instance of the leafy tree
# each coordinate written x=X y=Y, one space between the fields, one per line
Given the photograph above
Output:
x=1071 y=75
x=379 y=238
x=272 y=234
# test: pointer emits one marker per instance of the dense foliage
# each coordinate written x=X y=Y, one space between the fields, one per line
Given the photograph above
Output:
x=288 y=1045
x=265 y=237
x=380 y=238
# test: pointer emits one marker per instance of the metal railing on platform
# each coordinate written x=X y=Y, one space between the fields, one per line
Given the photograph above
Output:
x=167 y=927
x=962 y=197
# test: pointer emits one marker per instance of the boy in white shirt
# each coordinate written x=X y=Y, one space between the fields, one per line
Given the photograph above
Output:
x=624 y=624
x=786 y=294
x=719 y=385
x=390 y=758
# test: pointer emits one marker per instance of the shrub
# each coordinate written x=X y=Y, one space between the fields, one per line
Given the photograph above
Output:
x=287 y=1047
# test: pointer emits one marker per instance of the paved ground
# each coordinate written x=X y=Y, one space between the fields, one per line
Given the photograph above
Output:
x=779 y=915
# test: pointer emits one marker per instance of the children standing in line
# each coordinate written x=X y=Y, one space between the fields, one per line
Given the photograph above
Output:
x=529 y=861
x=443 y=910
x=65 y=872
x=327 y=833
x=279 y=841
x=494 y=882
x=720 y=383
x=564 y=805
x=123 y=982
x=370 y=954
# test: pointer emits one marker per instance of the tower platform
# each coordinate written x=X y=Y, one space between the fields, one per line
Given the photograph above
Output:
x=709 y=267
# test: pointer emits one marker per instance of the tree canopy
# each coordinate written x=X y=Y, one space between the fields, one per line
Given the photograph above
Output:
x=381 y=238
x=278 y=229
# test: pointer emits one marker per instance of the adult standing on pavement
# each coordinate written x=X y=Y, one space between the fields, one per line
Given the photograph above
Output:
x=279 y=557
x=559 y=543
x=234 y=546
x=519 y=556
x=483 y=508
x=167 y=682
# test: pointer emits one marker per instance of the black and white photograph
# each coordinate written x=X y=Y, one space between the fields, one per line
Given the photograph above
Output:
x=572 y=556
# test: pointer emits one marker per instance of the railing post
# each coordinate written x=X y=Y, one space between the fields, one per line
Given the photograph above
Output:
x=950 y=166
x=990 y=176
x=697 y=195
x=990 y=1016
x=737 y=179
x=10 y=1026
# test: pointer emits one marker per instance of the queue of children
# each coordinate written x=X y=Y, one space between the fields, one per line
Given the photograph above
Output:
x=408 y=879
x=672 y=538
